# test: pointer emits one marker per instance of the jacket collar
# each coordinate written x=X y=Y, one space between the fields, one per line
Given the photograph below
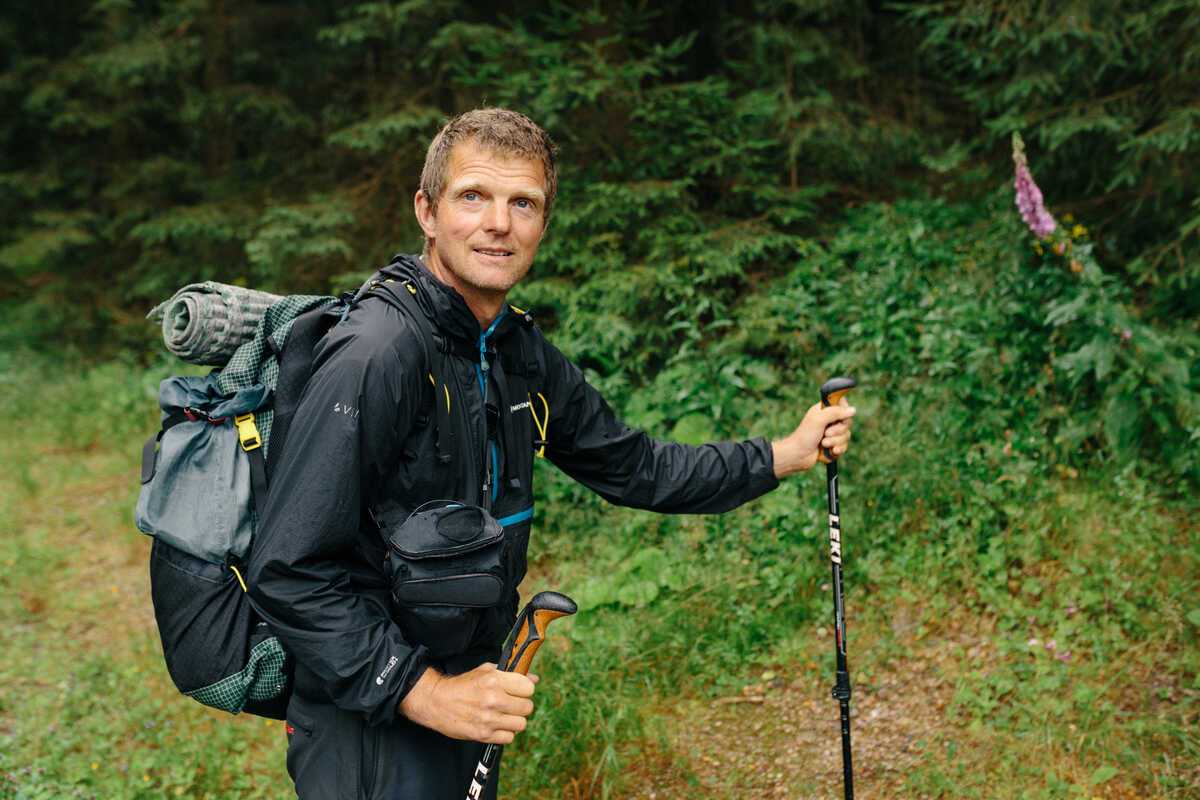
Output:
x=445 y=307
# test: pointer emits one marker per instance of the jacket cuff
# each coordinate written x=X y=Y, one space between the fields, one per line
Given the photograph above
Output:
x=414 y=667
x=417 y=664
x=762 y=469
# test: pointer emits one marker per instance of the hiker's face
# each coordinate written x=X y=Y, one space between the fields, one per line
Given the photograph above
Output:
x=489 y=220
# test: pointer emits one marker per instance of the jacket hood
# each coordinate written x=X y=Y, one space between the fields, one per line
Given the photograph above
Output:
x=443 y=305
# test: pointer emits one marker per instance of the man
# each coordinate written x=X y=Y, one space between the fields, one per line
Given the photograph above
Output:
x=382 y=708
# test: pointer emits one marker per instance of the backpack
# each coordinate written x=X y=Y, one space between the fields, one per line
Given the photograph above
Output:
x=204 y=481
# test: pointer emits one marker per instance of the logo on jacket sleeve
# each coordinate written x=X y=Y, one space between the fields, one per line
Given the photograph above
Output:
x=346 y=409
x=391 y=663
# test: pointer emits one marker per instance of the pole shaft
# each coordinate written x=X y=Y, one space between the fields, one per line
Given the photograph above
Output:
x=841 y=689
x=483 y=772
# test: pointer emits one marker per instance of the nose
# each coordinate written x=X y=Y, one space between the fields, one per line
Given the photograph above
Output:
x=497 y=220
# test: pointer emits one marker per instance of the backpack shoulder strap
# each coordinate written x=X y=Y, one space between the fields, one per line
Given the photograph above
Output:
x=295 y=369
x=401 y=295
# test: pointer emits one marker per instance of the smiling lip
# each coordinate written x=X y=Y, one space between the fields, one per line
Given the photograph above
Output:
x=493 y=252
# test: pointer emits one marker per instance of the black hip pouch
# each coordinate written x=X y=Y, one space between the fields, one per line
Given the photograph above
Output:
x=446 y=565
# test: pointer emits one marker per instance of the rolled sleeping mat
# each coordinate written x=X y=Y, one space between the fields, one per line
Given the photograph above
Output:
x=204 y=323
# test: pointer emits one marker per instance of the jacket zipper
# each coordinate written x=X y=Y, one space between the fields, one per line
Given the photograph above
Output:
x=489 y=464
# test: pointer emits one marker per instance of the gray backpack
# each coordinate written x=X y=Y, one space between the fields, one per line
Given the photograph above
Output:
x=204 y=482
x=204 y=486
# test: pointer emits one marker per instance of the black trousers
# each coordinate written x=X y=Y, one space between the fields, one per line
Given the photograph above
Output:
x=335 y=755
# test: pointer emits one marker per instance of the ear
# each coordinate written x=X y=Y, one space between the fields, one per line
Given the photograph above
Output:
x=426 y=216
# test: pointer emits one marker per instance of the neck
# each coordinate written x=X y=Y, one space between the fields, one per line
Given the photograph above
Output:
x=485 y=305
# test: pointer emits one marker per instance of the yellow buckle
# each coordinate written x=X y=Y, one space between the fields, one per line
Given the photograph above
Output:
x=248 y=432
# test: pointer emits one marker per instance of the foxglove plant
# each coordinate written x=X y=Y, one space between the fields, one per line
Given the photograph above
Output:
x=1029 y=196
x=1138 y=380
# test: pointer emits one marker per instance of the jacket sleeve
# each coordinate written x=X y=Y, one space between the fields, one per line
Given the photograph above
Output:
x=351 y=415
x=627 y=467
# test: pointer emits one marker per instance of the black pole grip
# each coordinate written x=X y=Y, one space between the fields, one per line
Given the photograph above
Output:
x=529 y=631
x=834 y=389
x=832 y=392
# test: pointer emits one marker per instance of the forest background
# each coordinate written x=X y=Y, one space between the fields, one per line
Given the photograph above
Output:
x=754 y=196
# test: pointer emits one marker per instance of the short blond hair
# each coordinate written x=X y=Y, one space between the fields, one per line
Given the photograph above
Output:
x=507 y=132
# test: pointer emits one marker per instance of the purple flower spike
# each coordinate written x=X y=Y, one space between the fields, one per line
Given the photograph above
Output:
x=1029 y=196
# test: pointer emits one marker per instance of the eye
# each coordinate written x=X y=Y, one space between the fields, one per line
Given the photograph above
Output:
x=524 y=203
x=470 y=197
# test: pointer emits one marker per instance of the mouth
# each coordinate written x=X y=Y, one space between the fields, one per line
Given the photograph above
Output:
x=493 y=252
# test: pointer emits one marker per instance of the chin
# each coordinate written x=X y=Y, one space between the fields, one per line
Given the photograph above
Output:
x=498 y=281
x=481 y=277
x=501 y=286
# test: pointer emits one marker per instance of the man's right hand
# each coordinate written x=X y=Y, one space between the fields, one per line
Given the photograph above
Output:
x=483 y=705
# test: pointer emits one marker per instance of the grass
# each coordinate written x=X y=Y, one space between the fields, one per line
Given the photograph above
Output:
x=675 y=611
x=87 y=707
x=1073 y=675
x=1106 y=570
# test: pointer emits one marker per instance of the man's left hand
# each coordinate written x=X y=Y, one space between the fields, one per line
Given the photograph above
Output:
x=821 y=427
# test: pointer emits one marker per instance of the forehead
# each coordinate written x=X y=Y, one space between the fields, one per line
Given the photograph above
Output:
x=471 y=163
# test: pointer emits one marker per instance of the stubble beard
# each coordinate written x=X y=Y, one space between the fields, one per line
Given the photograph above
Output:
x=478 y=279
x=471 y=280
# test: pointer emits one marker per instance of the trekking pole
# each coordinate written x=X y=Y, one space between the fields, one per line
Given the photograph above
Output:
x=527 y=635
x=832 y=391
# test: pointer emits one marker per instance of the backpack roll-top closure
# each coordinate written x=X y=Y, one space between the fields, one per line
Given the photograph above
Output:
x=197 y=495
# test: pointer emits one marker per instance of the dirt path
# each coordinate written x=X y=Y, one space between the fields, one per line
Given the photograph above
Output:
x=780 y=737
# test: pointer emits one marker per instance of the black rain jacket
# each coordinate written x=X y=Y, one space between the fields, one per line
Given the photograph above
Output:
x=362 y=446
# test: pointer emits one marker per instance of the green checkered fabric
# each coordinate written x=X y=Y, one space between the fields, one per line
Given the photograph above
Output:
x=262 y=679
x=255 y=361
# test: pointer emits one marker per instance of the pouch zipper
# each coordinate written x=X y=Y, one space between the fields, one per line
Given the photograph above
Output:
x=450 y=552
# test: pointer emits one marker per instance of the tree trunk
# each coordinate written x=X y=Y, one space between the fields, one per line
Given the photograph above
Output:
x=218 y=70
